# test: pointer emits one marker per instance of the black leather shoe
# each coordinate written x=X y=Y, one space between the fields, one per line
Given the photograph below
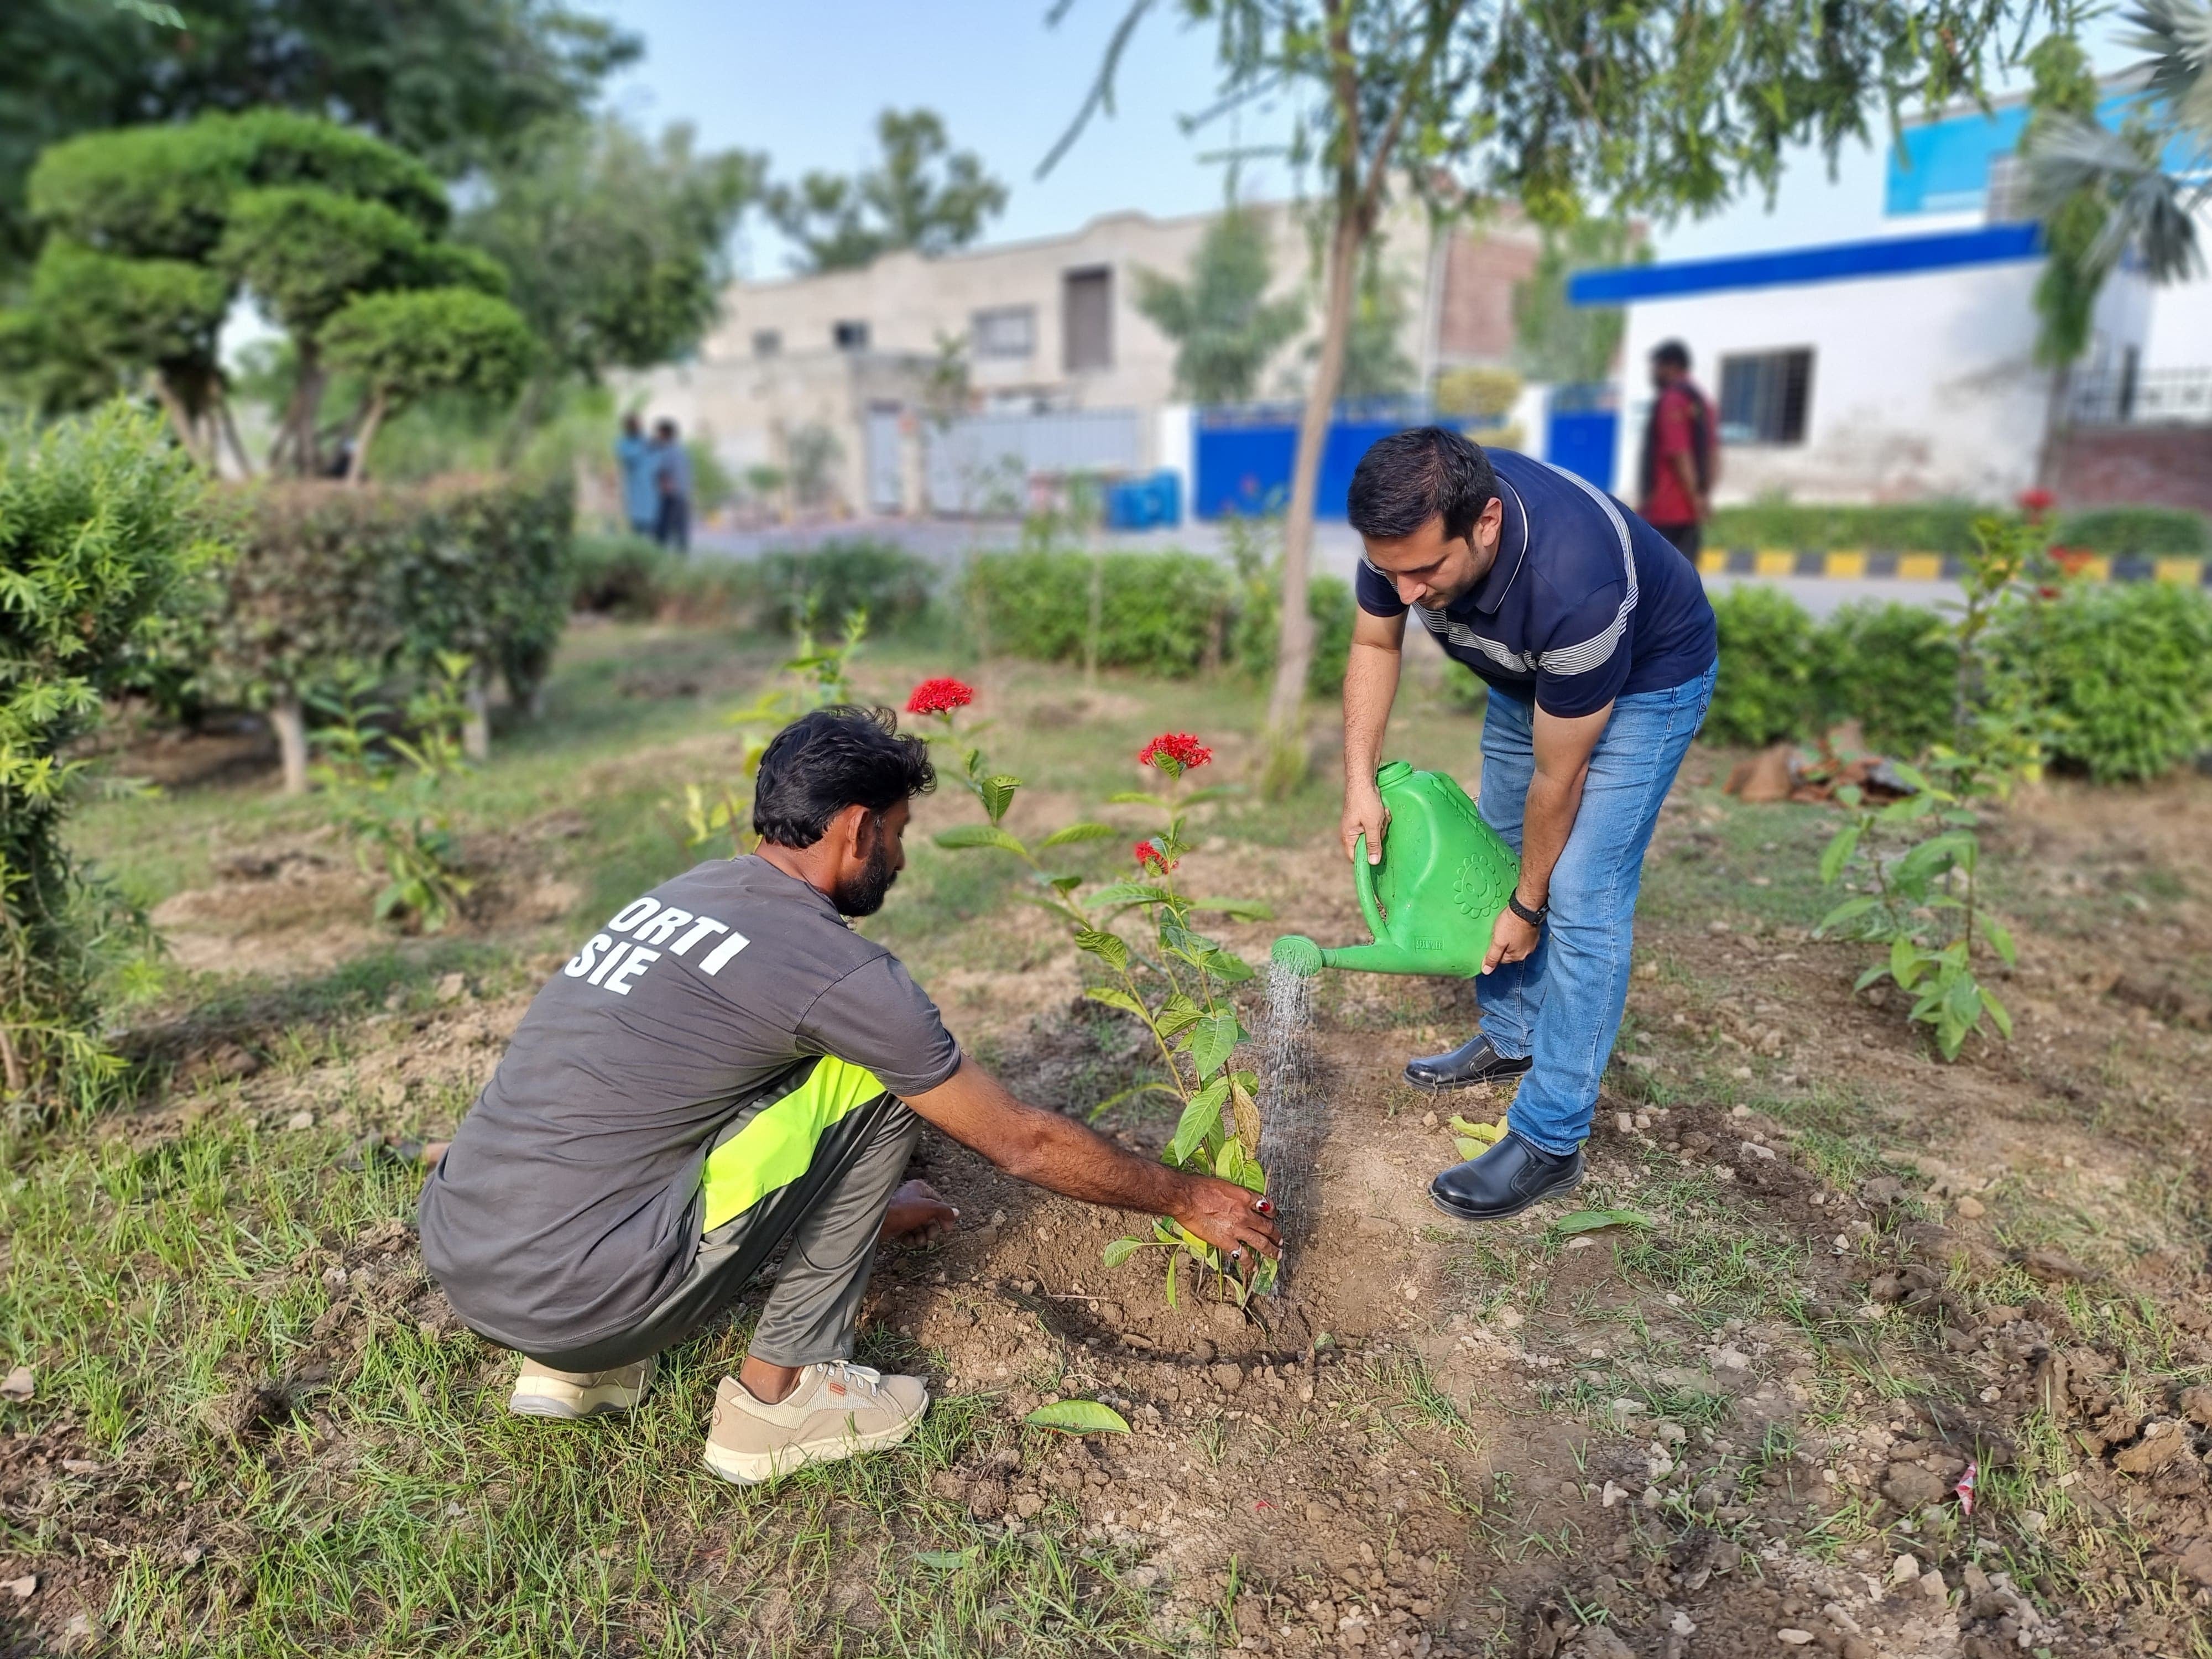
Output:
x=1473 y=1061
x=1505 y=1181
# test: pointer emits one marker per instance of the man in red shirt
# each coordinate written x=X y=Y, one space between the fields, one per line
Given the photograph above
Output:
x=1678 y=452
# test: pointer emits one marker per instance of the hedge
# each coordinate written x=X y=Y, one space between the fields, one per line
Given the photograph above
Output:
x=1948 y=527
x=1171 y=614
x=387 y=577
x=2122 y=670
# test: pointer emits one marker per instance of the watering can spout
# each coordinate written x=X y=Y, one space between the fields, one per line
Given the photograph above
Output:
x=1431 y=903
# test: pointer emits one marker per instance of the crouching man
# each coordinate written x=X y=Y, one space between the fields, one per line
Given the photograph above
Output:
x=727 y=1065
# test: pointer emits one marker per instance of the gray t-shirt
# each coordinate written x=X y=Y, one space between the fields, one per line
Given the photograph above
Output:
x=568 y=1207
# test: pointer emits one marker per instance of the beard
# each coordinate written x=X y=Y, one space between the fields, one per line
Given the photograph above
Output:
x=864 y=895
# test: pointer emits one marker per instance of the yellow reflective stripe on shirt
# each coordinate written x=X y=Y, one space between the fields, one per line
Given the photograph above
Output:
x=776 y=1147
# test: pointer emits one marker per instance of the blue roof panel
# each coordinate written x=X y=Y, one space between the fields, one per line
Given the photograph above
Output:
x=1832 y=262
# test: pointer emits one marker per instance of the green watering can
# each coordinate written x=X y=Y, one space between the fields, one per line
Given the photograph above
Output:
x=1431 y=903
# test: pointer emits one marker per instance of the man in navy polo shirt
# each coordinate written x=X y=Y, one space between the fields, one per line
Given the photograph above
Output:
x=1599 y=647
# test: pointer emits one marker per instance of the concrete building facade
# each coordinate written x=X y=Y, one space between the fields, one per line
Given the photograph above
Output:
x=876 y=390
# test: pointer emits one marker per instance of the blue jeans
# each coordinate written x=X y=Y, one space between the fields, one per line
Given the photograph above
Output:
x=1562 y=1004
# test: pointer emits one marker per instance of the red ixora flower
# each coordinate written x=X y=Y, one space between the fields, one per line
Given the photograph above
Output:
x=1174 y=752
x=1150 y=857
x=2037 y=502
x=940 y=696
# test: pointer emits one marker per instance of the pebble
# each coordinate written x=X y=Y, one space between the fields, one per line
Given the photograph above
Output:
x=1972 y=1208
x=1904 y=1568
x=1508 y=1319
x=301 y=1118
x=1795 y=1638
x=22 y=1588
x=19 y=1385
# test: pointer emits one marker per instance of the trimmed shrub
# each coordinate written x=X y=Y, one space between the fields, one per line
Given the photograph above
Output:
x=102 y=523
x=1948 y=527
x=1329 y=602
x=1890 y=667
x=1167 y=612
x=2127 y=669
x=890 y=584
x=1765 y=690
x=388 y=578
x=640 y=581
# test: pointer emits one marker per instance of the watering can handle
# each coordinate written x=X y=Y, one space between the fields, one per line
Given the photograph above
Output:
x=1362 y=882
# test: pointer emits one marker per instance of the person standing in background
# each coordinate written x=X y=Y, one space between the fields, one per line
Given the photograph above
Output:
x=1678 y=470
x=634 y=458
x=672 y=481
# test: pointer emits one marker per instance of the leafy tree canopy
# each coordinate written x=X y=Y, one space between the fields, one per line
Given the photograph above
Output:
x=922 y=195
x=1223 y=327
x=421 y=342
x=455 y=83
x=1559 y=342
x=616 y=246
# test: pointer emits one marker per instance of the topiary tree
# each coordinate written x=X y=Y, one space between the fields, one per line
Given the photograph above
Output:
x=152 y=233
x=101 y=522
x=412 y=344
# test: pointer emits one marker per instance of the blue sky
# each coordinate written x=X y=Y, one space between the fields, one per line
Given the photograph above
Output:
x=805 y=83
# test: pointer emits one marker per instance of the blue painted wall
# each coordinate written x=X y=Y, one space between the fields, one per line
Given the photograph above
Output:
x=1246 y=469
x=1583 y=441
x=1943 y=167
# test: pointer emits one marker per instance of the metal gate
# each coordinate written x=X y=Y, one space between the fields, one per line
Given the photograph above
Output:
x=886 y=467
x=983 y=462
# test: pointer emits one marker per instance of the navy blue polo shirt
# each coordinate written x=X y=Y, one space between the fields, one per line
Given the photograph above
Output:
x=1586 y=602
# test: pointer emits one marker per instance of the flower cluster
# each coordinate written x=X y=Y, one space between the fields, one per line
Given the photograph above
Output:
x=1150 y=856
x=940 y=696
x=2036 y=502
x=1175 y=753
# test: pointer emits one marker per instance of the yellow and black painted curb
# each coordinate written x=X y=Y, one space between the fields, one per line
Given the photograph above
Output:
x=1853 y=564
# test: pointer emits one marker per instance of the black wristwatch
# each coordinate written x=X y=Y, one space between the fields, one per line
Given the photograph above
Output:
x=1534 y=918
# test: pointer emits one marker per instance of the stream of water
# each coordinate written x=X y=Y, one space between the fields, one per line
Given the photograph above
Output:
x=1293 y=1119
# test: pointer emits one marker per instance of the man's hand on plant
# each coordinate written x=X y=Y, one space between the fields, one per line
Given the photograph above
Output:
x=1510 y=940
x=1228 y=1217
x=1363 y=815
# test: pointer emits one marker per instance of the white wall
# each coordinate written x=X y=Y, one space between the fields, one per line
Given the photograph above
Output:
x=1923 y=384
x=2181 y=331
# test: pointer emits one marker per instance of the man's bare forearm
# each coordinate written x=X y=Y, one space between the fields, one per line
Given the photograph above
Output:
x=1547 y=820
x=1045 y=1148
x=1371 y=687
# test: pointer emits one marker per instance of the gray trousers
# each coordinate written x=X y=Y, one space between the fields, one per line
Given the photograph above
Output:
x=832 y=1214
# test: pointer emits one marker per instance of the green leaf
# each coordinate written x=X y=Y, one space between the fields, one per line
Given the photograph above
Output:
x=1243 y=909
x=1905 y=961
x=1999 y=1014
x=1133 y=798
x=1833 y=857
x=1064 y=885
x=1121 y=893
x=2000 y=941
x=1590 y=1221
x=1226 y=965
x=1174 y=1256
x=1177 y=1014
x=997 y=794
x=1108 y=947
x=1228 y=1162
x=949 y=1560
x=1120 y=1250
x=1114 y=998
x=979 y=835
x=1849 y=910
x=1880 y=970
x=1213 y=1038
x=1078 y=1417
x=1078 y=832
x=1201 y=1118
x=1470 y=1148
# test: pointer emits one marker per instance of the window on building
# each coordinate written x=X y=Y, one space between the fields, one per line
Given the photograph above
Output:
x=1003 y=331
x=850 y=335
x=2007 y=200
x=1087 y=318
x=1764 y=397
x=768 y=343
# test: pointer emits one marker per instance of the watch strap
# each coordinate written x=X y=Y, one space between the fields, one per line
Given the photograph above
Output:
x=1534 y=918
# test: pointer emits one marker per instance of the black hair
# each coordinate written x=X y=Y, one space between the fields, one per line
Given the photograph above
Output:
x=1407 y=479
x=829 y=760
x=1672 y=353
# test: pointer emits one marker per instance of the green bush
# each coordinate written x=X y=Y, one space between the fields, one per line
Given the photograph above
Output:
x=389 y=578
x=890 y=584
x=1876 y=664
x=1329 y=602
x=1946 y=527
x=2127 y=671
x=639 y=580
x=1765 y=691
x=2152 y=531
x=1166 y=612
x=101 y=523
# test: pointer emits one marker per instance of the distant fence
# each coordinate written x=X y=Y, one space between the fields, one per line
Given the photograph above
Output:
x=1243 y=456
x=983 y=462
x=2157 y=396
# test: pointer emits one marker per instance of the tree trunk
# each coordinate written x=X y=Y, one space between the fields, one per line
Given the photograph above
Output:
x=475 y=727
x=2055 y=422
x=290 y=721
x=296 y=438
x=357 y=463
x=180 y=418
x=229 y=427
x=1294 y=632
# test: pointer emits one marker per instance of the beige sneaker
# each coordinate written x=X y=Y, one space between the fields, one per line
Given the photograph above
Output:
x=834 y=1411
x=541 y=1391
